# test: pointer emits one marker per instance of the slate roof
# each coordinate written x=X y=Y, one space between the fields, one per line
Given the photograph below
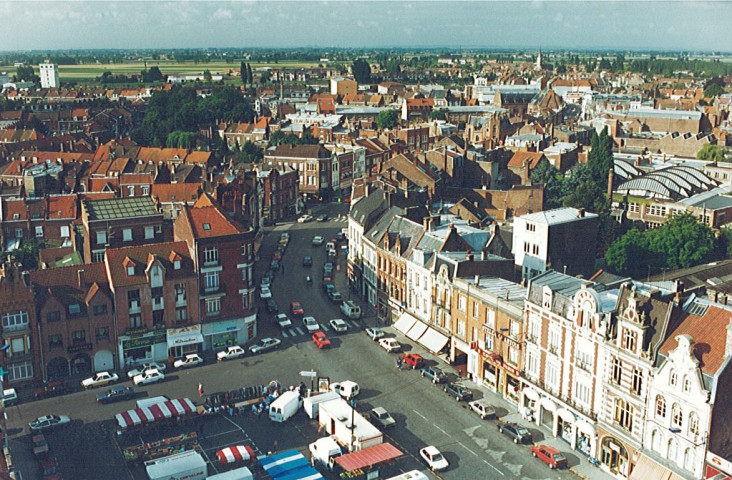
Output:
x=373 y=204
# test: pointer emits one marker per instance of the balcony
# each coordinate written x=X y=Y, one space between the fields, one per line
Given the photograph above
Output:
x=18 y=327
x=212 y=262
x=532 y=338
x=134 y=306
x=553 y=349
x=180 y=300
x=539 y=384
x=586 y=366
x=219 y=289
x=158 y=303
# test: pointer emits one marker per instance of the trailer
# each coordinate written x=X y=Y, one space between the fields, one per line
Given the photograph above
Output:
x=310 y=404
x=188 y=465
x=285 y=406
x=348 y=427
x=324 y=451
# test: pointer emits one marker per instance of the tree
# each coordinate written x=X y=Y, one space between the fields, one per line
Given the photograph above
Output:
x=25 y=73
x=207 y=77
x=387 y=119
x=243 y=69
x=361 y=71
x=27 y=253
x=438 y=115
x=712 y=153
x=180 y=139
x=250 y=77
x=713 y=90
x=628 y=254
x=588 y=196
x=545 y=174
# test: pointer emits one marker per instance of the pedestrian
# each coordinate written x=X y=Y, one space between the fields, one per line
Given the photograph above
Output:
x=200 y=389
x=274 y=446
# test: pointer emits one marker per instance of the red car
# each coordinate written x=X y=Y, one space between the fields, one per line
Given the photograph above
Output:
x=51 y=389
x=49 y=470
x=296 y=309
x=414 y=360
x=321 y=340
x=550 y=456
x=277 y=256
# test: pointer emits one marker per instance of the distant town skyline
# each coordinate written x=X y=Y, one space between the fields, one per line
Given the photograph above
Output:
x=611 y=25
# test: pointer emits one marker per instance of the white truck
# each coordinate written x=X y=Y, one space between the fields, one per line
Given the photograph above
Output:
x=351 y=310
x=285 y=406
x=347 y=426
x=310 y=404
x=188 y=465
x=324 y=451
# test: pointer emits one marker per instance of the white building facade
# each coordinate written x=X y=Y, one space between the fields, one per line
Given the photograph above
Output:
x=49 y=75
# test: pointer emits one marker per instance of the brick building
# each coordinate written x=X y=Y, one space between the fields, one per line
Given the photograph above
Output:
x=19 y=322
x=279 y=188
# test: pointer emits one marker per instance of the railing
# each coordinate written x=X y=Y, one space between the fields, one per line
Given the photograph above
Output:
x=158 y=303
x=541 y=385
x=135 y=306
x=586 y=366
x=532 y=338
x=211 y=290
x=212 y=263
x=553 y=349
x=18 y=327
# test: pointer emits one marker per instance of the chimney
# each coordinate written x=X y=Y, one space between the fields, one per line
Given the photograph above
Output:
x=580 y=213
x=610 y=178
x=80 y=277
x=469 y=256
x=476 y=280
x=728 y=344
x=482 y=254
x=679 y=289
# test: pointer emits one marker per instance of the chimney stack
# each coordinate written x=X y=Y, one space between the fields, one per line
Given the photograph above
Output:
x=80 y=277
x=610 y=186
x=469 y=256
x=580 y=213
x=476 y=280
x=679 y=289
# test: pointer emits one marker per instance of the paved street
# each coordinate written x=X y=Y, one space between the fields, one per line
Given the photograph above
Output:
x=425 y=415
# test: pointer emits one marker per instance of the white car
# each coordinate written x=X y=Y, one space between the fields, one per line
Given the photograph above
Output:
x=99 y=380
x=434 y=459
x=305 y=219
x=374 y=333
x=338 y=325
x=48 y=422
x=146 y=366
x=318 y=240
x=231 y=352
x=192 y=360
x=390 y=345
x=265 y=293
x=283 y=320
x=483 y=409
x=265 y=344
x=285 y=237
x=149 y=376
x=310 y=324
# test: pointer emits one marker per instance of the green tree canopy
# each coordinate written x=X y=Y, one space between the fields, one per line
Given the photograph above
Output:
x=713 y=90
x=712 y=153
x=25 y=73
x=438 y=114
x=243 y=69
x=387 y=119
x=361 y=71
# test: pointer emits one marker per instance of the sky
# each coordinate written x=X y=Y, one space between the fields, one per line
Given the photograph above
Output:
x=637 y=25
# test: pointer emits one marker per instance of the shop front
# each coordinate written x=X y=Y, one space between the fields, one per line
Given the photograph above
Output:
x=566 y=426
x=137 y=346
x=614 y=455
x=184 y=341
x=225 y=333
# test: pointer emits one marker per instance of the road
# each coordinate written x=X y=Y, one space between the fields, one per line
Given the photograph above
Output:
x=425 y=415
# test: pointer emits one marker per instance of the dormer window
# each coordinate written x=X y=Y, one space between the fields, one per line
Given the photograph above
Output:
x=207 y=226
x=74 y=309
x=630 y=339
x=130 y=270
x=176 y=265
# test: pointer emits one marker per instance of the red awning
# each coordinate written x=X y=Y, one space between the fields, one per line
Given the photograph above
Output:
x=368 y=457
x=714 y=474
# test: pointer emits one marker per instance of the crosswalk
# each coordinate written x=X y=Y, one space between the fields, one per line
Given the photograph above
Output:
x=296 y=331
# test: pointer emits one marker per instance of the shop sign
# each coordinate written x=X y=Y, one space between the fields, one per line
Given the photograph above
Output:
x=136 y=332
x=147 y=341
x=194 y=329
x=79 y=348
x=224 y=340
x=510 y=341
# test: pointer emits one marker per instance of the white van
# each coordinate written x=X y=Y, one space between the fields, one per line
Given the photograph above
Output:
x=10 y=397
x=351 y=310
x=329 y=246
x=346 y=389
x=285 y=406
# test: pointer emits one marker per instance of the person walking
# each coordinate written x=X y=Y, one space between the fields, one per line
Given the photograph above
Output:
x=200 y=389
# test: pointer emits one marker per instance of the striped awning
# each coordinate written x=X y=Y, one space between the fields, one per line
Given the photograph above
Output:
x=153 y=413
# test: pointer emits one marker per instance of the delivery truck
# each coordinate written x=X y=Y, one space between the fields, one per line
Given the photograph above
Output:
x=285 y=406
x=188 y=465
x=310 y=404
x=347 y=426
x=324 y=451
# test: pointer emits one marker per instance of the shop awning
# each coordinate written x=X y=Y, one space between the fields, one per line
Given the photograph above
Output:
x=153 y=413
x=184 y=339
x=433 y=340
x=289 y=465
x=417 y=330
x=405 y=322
x=648 y=469
x=714 y=474
x=368 y=457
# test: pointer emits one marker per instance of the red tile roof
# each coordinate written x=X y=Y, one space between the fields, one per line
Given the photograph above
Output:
x=175 y=192
x=135 y=178
x=212 y=222
x=519 y=158
x=68 y=276
x=11 y=208
x=115 y=257
x=61 y=206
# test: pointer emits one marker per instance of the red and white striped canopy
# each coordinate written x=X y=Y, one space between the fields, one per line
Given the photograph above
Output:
x=235 y=454
x=153 y=413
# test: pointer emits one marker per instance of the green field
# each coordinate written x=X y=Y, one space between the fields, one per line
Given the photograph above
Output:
x=92 y=71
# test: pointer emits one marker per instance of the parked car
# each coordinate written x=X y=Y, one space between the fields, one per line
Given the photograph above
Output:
x=189 y=361
x=277 y=255
x=264 y=345
x=266 y=282
x=284 y=236
x=305 y=219
x=283 y=321
x=414 y=360
x=321 y=340
x=265 y=293
x=296 y=309
x=318 y=240
x=338 y=325
x=233 y=352
x=271 y=305
x=152 y=375
x=516 y=432
x=328 y=267
x=549 y=455
x=390 y=345
x=374 y=333
x=49 y=470
x=460 y=392
x=99 y=380
x=10 y=397
x=381 y=417
x=482 y=408
x=335 y=297
x=434 y=374
x=51 y=389
x=434 y=459
x=307 y=261
x=274 y=265
x=40 y=446
x=340 y=236
x=116 y=394
x=328 y=280
x=322 y=218
x=48 y=422
x=146 y=366
x=310 y=324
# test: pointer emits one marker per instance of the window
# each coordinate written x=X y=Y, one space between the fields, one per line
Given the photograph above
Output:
x=17 y=320
x=180 y=292
x=65 y=232
x=689 y=459
x=552 y=374
x=101 y=238
x=145 y=190
x=207 y=226
x=677 y=416
x=133 y=298
x=102 y=333
x=149 y=233
x=100 y=309
x=534 y=328
x=213 y=306
x=476 y=307
x=131 y=190
x=660 y=407
x=78 y=336
x=461 y=328
x=126 y=234
x=135 y=321
x=98 y=257
x=489 y=341
x=637 y=381
x=156 y=278
x=211 y=280
x=687 y=384
x=512 y=356
x=176 y=265
x=623 y=414
x=39 y=232
x=130 y=270
x=581 y=392
x=513 y=329
x=629 y=339
x=693 y=423
x=672 y=378
x=530 y=227
x=490 y=320
x=55 y=341
x=532 y=360
x=656 y=441
x=673 y=448
x=20 y=371
x=54 y=316
x=461 y=303
x=616 y=370
x=181 y=314
x=554 y=339
x=74 y=309
x=210 y=255
x=18 y=233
